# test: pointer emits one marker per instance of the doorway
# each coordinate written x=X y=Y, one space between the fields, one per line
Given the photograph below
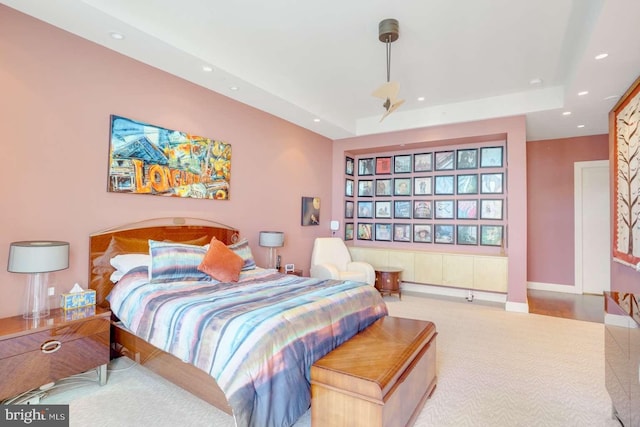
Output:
x=592 y=227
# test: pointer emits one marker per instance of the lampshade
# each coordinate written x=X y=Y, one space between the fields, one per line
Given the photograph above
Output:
x=271 y=239
x=38 y=256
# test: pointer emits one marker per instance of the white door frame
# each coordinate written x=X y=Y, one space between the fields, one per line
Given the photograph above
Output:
x=577 y=202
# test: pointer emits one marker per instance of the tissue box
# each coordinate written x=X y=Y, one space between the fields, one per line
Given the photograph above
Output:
x=78 y=299
x=80 y=313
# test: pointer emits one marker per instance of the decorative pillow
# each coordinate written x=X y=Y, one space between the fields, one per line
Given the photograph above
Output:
x=242 y=248
x=221 y=263
x=172 y=262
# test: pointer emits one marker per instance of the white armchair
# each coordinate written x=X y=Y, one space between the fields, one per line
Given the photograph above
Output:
x=331 y=259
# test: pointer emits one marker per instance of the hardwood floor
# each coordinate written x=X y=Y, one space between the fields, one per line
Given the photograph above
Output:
x=586 y=307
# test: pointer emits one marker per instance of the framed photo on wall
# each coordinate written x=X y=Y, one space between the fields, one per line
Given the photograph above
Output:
x=421 y=185
x=445 y=160
x=365 y=231
x=401 y=232
x=365 y=188
x=467 y=209
x=444 y=234
x=402 y=187
x=491 y=183
x=422 y=209
x=491 y=235
x=444 y=184
x=491 y=209
x=467 y=158
x=348 y=209
x=423 y=162
x=366 y=166
x=348 y=165
x=310 y=211
x=443 y=209
x=383 y=187
x=422 y=233
x=467 y=235
x=383 y=209
x=467 y=184
x=365 y=209
x=491 y=157
x=348 y=231
x=402 y=209
x=383 y=232
x=383 y=165
x=402 y=163
x=348 y=187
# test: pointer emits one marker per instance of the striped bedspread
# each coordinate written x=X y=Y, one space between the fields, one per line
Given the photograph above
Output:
x=258 y=338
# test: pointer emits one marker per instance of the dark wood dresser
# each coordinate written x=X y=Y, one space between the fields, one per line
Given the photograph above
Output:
x=381 y=377
x=622 y=355
x=37 y=352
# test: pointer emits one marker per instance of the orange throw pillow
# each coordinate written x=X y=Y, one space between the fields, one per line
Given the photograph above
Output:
x=221 y=263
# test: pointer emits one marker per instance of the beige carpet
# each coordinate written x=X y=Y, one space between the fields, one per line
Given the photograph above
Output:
x=495 y=368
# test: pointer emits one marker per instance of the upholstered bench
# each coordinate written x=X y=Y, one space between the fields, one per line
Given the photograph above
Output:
x=381 y=377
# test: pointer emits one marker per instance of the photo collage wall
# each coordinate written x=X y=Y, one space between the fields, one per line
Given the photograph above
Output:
x=448 y=196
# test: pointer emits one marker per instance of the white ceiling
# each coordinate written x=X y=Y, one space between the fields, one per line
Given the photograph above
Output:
x=304 y=60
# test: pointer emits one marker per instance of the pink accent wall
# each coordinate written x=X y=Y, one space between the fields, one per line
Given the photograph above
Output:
x=58 y=92
x=511 y=129
x=550 y=196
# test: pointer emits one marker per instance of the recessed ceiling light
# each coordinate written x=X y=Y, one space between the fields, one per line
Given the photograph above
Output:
x=583 y=93
x=602 y=56
x=207 y=68
x=234 y=88
x=580 y=126
x=115 y=35
x=536 y=81
x=421 y=98
x=566 y=113
x=316 y=120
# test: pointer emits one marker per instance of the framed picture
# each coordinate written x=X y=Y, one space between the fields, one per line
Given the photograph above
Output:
x=421 y=185
x=348 y=231
x=365 y=231
x=401 y=232
x=467 y=209
x=348 y=166
x=423 y=162
x=467 y=234
x=383 y=209
x=491 y=157
x=623 y=127
x=444 y=184
x=365 y=188
x=422 y=209
x=402 y=163
x=444 y=234
x=310 y=211
x=383 y=187
x=491 y=235
x=491 y=208
x=365 y=209
x=365 y=166
x=422 y=233
x=491 y=183
x=445 y=160
x=402 y=187
x=402 y=209
x=348 y=209
x=383 y=165
x=348 y=187
x=467 y=158
x=467 y=184
x=383 y=232
x=443 y=209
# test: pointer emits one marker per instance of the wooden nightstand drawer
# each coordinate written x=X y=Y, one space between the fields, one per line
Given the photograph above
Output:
x=33 y=353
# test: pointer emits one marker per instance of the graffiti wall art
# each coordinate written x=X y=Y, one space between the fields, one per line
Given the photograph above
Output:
x=149 y=159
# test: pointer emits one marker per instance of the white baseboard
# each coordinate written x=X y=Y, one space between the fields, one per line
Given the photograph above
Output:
x=454 y=292
x=540 y=286
x=518 y=307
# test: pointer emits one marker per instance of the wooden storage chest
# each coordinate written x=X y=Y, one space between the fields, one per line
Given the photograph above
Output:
x=381 y=377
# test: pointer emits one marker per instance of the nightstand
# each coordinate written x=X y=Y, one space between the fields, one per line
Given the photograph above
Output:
x=388 y=280
x=40 y=351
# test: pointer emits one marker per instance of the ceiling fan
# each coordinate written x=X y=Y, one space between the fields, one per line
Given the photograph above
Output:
x=388 y=32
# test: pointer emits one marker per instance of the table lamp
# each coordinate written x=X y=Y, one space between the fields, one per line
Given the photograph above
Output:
x=37 y=259
x=271 y=240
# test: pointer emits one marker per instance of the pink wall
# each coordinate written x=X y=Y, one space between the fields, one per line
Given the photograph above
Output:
x=550 y=195
x=58 y=91
x=512 y=129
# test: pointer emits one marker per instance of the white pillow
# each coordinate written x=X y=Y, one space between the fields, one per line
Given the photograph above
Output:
x=127 y=262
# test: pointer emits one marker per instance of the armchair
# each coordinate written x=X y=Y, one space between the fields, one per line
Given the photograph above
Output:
x=330 y=259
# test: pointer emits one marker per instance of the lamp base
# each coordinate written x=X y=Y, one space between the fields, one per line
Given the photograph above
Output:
x=271 y=260
x=36 y=302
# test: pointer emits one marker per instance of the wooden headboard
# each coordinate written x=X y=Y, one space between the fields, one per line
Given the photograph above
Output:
x=134 y=238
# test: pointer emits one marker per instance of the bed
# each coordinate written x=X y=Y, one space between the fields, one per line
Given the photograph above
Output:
x=278 y=324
